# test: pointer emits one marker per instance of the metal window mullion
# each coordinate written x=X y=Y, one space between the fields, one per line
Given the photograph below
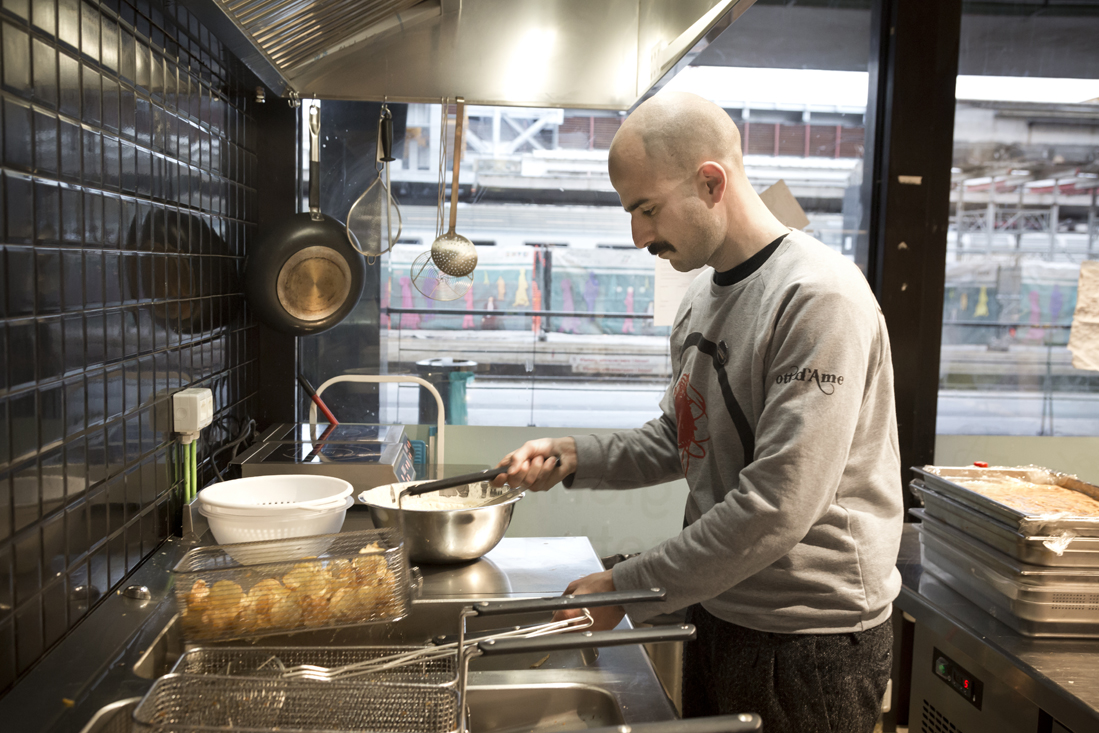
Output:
x=906 y=227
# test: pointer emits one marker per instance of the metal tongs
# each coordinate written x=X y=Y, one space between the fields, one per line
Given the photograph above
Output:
x=429 y=487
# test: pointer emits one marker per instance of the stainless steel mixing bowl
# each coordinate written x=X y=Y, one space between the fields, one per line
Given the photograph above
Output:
x=443 y=536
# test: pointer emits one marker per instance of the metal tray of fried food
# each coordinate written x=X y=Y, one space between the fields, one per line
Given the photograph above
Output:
x=1053 y=552
x=186 y=703
x=947 y=480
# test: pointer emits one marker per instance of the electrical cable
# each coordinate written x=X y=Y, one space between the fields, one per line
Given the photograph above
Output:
x=191 y=464
x=194 y=469
x=248 y=430
x=185 y=461
x=197 y=443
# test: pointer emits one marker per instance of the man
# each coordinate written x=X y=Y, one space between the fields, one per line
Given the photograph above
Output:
x=780 y=416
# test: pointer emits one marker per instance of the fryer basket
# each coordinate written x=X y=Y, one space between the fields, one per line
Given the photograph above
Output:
x=441 y=670
x=189 y=703
x=277 y=586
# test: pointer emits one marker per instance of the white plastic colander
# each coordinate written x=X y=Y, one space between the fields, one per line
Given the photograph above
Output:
x=275 y=495
x=235 y=528
x=276 y=510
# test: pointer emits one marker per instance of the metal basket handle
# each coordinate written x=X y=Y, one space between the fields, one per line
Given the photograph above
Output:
x=740 y=723
x=562 y=603
x=587 y=639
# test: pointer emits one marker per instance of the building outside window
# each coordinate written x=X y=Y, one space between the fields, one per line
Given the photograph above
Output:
x=1023 y=218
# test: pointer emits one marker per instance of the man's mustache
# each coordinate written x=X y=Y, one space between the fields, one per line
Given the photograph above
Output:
x=657 y=247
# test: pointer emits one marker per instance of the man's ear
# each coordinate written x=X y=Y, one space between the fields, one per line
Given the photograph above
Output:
x=713 y=181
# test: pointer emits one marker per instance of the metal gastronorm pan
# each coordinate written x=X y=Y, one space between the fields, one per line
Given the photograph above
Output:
x=944 y=480
x=1078 y=552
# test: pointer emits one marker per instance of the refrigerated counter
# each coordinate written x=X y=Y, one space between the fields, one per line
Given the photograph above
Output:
x=959 y=670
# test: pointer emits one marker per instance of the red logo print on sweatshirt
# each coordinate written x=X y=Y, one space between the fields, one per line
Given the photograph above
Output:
x=690 y=414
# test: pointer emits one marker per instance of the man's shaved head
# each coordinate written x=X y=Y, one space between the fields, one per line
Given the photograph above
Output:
x=676 y=132
x=677 y=168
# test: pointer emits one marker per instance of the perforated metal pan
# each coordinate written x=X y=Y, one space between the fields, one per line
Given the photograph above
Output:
x=945 y=480
x=1034 y=602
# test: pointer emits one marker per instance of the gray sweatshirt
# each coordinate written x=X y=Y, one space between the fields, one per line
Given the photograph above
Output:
x=781 y=417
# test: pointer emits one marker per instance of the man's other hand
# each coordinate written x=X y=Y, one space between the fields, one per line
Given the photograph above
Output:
x=539 y=464
x=606 y=617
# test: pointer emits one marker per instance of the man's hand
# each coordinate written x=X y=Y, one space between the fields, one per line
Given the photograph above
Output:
x=539 y=464
x=606 y=617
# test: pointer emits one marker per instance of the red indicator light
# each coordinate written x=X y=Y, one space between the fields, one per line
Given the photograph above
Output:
x=965 y=684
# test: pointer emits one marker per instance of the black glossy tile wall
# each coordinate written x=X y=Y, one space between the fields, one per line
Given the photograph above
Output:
x=127 y=199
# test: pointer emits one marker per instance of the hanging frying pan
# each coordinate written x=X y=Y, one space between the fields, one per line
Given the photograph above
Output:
x=303 y=276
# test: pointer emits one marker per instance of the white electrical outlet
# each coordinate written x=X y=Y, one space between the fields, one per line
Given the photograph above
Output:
x=192 y=409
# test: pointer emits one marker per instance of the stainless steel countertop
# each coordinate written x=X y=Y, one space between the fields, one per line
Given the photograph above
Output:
x=1061 y=676
x=93 y=666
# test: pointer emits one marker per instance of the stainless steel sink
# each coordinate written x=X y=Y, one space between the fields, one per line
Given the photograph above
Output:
x=427 y=620
x=515 y=709
x=503 y=709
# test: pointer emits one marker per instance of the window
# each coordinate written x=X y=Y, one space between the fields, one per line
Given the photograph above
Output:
x=1023 y=202
x=559 y=315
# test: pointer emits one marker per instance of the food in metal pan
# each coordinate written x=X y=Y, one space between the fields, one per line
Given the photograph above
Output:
x=1033 y=499
x=309 y=595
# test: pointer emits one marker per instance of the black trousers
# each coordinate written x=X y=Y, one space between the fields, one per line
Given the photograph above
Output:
x=798 y=683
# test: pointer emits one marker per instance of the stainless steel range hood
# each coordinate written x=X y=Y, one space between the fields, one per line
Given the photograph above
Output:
x=589 y=54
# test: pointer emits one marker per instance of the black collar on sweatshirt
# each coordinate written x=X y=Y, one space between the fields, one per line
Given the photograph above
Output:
x=750 y=265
